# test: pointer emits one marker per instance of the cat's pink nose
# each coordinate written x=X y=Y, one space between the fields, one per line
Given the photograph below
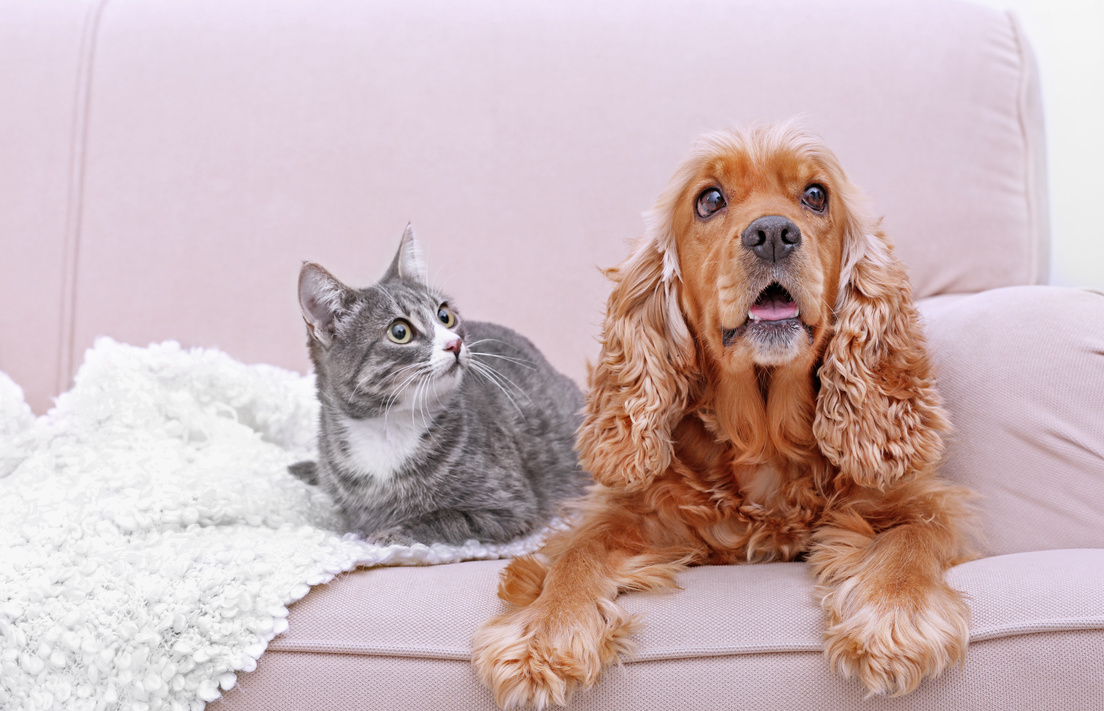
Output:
x=454 y=346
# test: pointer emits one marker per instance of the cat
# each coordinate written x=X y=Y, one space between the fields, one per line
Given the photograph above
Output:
x=433 y=429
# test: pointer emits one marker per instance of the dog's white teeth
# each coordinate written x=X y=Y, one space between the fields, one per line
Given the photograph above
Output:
x=753 y=317
x=797 y=312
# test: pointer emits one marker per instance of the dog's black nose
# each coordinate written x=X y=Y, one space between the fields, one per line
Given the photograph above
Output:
x=772 y=238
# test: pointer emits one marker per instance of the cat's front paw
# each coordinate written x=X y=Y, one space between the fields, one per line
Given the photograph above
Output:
x=394 y=536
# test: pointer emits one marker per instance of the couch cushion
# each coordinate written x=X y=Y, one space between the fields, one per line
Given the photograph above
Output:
x=400 y=638
x=225 y=142
x=1022 y=372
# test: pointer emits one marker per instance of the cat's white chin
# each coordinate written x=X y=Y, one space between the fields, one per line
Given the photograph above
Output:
x=443 y=381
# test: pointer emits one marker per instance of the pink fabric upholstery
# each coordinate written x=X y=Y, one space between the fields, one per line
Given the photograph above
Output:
x=733 y=637
x=44 y=50
x=1021 y=371
x=193 y=154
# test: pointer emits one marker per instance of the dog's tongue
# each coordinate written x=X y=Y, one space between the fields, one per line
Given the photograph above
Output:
x=774 y=306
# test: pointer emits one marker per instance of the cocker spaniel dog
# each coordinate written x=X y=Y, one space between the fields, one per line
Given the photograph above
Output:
x=763 y=393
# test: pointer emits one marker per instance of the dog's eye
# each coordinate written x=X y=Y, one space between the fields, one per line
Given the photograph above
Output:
x=709 y=202
x=815 y=198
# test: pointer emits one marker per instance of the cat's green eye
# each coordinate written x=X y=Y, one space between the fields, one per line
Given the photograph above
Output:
x=400 y=331
x=446 y=316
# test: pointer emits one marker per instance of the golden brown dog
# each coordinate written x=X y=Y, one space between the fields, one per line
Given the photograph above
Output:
x=763 y=392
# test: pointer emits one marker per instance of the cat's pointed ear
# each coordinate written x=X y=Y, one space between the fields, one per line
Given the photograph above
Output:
x=324 y=301
x=409 y=262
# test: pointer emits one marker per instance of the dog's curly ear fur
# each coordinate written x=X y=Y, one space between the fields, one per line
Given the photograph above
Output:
x=878 y=415
x=640 y=386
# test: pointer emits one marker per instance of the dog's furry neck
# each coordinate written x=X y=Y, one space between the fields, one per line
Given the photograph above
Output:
x=765 y=414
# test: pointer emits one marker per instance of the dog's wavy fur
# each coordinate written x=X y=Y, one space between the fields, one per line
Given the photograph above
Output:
x=713 y=449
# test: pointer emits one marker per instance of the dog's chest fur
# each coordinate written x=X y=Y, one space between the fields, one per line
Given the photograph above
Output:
x=761 y=486
x=761 y=510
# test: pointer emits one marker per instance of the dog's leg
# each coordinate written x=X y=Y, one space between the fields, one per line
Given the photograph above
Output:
x=564 y=627
x=880 y=560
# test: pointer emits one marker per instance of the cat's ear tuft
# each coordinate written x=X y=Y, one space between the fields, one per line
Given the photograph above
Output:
x=324 y=301
x=409 y=262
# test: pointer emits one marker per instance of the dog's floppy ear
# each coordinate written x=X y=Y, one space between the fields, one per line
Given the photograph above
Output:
x=878 y=416
x=639 y=388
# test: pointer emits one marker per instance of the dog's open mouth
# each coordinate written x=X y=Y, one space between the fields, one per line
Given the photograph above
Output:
x=773 y=312
x=773 y=304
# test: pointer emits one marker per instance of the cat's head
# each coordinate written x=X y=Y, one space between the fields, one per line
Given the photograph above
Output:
x=396 y=345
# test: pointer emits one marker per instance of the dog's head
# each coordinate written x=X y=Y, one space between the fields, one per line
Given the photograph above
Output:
x=761 y=266
x=758 y=223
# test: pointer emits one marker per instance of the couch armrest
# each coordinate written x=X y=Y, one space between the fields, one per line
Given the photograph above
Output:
x=1021 y=370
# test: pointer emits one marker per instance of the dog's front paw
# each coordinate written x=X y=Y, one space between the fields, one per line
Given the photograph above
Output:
x=529 y=657
x=890 y=642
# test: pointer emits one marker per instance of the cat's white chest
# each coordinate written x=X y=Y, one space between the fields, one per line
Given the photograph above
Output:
x=379 y=447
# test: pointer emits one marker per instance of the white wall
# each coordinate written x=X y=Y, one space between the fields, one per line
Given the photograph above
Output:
x=1068 y=39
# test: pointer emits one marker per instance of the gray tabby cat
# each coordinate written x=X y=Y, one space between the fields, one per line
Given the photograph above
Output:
x=432 y=428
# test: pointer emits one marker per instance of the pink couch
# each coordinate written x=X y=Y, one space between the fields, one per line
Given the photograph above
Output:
x=166 y=166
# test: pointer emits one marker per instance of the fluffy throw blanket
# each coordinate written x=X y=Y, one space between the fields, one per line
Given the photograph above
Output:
x=151 y=536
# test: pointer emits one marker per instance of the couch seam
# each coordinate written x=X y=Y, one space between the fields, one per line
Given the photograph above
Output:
x=370 y=651
x=1030 y=192
x=1064 y=624
x=78 y=143
x=1068 y=624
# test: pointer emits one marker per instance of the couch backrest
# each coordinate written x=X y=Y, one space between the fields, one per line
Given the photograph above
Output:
x=166 y=166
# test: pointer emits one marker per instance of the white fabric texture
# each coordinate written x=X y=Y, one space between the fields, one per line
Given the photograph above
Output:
x=152 y=536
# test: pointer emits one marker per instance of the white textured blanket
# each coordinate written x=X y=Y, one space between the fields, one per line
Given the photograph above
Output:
x=150 y=535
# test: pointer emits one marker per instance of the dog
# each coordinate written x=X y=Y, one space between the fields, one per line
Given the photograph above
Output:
x=763 y=393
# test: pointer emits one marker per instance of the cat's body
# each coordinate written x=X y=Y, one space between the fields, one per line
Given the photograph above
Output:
x=450 y=431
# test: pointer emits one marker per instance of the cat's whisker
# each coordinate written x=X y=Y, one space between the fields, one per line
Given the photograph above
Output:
x=414 y=404
x=442 y=282
x=432 y=432
x=427 y=418
x=426 y=412
x=401 y=387
x=393 y=399
x=414 y=409
x=405 y=368
x=490 y=380
x=489 y=340
x=394 y=375
x=387 y=293
x=501 y=377
x=421 y=400
x=519 y=361
x=491 y=376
